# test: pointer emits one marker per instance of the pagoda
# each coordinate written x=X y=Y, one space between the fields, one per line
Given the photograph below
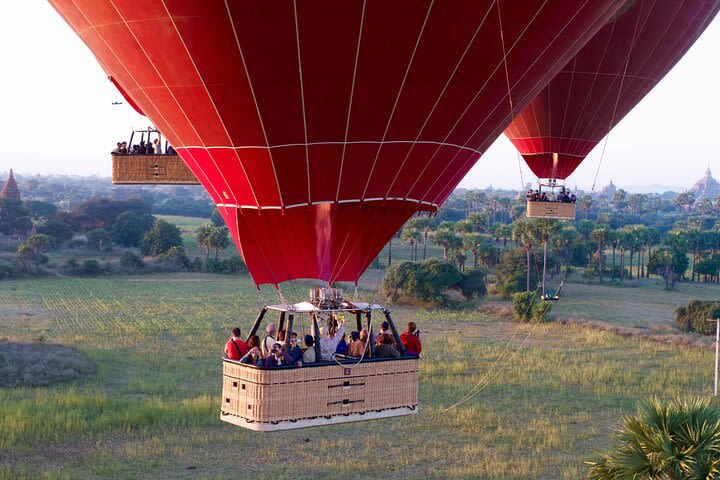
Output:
x=11 y=189
x=706 y=187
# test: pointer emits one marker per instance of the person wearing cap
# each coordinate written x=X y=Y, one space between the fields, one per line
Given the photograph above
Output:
x=410 y=339
x=328 y=344
x=309 y=355
x=235 y=348
x=278 y=357
x=269 y=340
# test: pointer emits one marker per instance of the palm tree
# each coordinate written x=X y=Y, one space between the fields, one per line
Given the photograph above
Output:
x=445 y=238
x=544 y=228
x=524 y=234
x=676 y=440
x=504 y=231
x=600 y=235
x=411 y=236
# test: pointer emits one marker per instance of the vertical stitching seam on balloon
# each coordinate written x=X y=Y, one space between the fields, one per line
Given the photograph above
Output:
x=257 y=106
x=352 y=94
x=212 y=102
x=528 y=95
x=397 y=97
x=440 y=96
x=302 y=99
x=168 y=89
x=464 y=166
x=472 y=101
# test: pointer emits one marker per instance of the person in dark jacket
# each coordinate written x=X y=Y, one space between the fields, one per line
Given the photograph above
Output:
x=385 y=347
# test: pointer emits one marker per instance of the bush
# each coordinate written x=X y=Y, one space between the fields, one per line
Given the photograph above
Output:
x=512 y=273
x=230 y=265
x=161 y=238
x=175 y=259
x=693 y=317
x=541 y=310
x=472 y=284
x=7 y=271
x=424 y=281
x=522 y=305
x=131 y=262
x=91 y=268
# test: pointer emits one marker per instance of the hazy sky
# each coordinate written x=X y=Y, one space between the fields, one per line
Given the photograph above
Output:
x=56 y=113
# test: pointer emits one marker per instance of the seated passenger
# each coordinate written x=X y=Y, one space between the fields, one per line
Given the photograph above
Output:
x=385 y=348
x=269 y=340
x=342 y=347
x=329 y=344
x=309 y=355
x=278 y=358
x=254 y=356
x=410 y=339
x=358 y=346
x=235 y=348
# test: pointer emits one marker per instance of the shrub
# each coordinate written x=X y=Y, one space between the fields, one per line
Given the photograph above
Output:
x=541 y=310
x=424 y=281
x=161 y=238
x=174 y=259
x=693 y=317
x=472 y=284
x=7 y=271
x=131 y=262
x=512 y=273
x=91 y=268
x=522 y=305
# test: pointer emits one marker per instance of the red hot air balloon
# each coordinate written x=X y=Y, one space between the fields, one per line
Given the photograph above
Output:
x=605 y=80
x=319 y=127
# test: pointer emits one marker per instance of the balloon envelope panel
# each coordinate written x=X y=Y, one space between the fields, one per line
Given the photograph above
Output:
x=376 y=108
x=610 y=75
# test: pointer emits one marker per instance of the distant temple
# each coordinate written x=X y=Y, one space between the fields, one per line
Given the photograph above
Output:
x=608 y=190
x=11 y=189
x=706 y=187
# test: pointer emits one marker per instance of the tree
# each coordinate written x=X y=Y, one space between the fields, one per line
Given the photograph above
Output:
x=161 y=238
x=685 y=200
x=665 y=440
x=411 y=236
x=544 y=228
x=524 y=234
x=600 y=235
x=220 y=240
x=99 y=239
x=217 y=219
x=129 y=228
x=585 y=202
x=203 y=238
x=445 y=238
x=30 y=251
x=667 y=264
x=619 y=200
x=503 y=231
x=61 y=231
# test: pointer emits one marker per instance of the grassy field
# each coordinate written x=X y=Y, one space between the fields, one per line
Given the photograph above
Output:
x=151 y=408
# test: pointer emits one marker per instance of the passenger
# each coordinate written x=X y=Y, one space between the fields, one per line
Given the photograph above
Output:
x=573 y=199
x=254 y=356
x=342 y=347
x=157 y=147
x=309 y=355
x=269 y=340
x=279 y=358
x=123 y=148
x=357 y=346
x=170 y=150
x=235 y=348
x=116 y=150
x=135 y=150
x=543 y=197
x=149 y=149
x=281 y=337
x=293 y=349
x=385 y=347
x=328 y=344
x=410 y=339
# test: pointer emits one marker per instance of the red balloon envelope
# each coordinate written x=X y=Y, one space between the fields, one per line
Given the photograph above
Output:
x=320 y=126
x=605 y=80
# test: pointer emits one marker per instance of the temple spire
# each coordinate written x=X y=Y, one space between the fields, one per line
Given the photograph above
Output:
x=11 y=189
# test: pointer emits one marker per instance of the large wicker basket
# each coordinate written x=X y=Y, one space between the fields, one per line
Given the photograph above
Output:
x=151 y=169
x=551 y=210
x=266 y=399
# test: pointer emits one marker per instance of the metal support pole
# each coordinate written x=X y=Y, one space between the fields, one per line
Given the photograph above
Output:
x=281 y=324
x=316 y=337
x=358 y=319
x=288 y=332
x=256 y=324
x=371 y=340
x=401 y=347
x=717 y=350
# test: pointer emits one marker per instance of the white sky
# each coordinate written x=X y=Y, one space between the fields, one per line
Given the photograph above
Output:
x=56 y=114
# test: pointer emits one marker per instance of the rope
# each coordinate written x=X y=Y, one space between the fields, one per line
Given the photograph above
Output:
x=483 y=383
x=615 y=106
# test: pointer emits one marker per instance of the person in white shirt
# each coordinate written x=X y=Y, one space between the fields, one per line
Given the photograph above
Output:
x=328 y=344
x=269 y=340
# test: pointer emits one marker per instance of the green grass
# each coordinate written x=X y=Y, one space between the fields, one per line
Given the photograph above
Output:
x=151 y=410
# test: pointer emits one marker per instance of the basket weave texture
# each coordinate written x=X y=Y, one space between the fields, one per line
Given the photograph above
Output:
x=151 y=169
x=276 y=395
x=551 y=210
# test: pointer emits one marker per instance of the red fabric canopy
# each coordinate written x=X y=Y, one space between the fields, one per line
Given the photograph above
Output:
x=319 y=127
x=605 y=80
